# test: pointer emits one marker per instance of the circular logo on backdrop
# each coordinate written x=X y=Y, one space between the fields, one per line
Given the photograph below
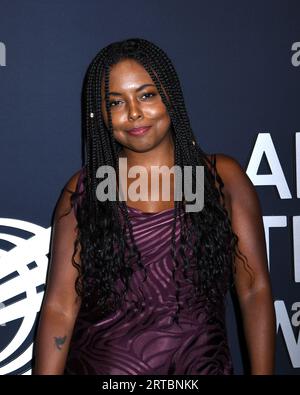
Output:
x=23 y=266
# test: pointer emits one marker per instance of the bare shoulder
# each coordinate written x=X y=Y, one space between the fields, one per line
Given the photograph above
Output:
x=229 y=169
x=64 y=203
x=72 y=182
x=237 y=184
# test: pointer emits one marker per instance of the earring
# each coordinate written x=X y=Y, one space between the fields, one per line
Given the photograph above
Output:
x=193 y=142
x=92 y=115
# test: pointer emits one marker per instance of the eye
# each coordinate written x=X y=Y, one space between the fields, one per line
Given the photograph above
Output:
x=112 y=103
x=148 y=94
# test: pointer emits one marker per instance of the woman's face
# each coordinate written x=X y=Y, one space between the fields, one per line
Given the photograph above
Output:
x=135 y=102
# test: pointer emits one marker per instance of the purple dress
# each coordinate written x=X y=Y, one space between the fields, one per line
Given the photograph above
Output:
x=128 y=342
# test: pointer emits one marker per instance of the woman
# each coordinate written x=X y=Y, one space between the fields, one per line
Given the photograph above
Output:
x=143 y=291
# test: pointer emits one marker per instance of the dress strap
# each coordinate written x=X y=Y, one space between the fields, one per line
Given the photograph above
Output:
x=79 y=186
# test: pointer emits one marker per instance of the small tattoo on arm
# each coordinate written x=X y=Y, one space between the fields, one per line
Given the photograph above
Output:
x=59 y=341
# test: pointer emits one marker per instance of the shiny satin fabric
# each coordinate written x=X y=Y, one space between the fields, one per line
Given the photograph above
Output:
x=130 y=342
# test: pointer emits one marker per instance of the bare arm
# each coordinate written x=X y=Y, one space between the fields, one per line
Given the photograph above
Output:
x=254 y=294
x=61 y=304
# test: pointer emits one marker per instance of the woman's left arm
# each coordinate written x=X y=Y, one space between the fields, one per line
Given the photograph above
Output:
x=254 y=291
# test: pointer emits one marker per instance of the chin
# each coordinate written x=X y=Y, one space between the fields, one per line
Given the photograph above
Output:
x=141 y=149
x=145 y=143
x=139 y=146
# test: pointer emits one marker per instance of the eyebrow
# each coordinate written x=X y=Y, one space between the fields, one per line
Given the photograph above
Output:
x=137 y=90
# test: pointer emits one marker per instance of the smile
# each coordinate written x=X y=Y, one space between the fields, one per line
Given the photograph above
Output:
x=139 y=131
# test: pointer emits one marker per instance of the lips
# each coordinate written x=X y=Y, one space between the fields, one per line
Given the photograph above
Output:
x=139 y=131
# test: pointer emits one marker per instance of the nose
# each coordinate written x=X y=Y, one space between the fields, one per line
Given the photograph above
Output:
x=134 y=112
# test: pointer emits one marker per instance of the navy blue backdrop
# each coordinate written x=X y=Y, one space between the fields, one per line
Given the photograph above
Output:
x=239 y=65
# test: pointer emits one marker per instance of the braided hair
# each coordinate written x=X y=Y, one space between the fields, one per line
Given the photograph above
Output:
x=105 y=253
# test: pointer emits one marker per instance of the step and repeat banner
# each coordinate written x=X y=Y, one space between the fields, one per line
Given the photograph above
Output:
x=239 y=65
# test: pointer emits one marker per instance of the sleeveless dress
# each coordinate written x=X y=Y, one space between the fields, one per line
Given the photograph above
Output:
x=128 y=342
